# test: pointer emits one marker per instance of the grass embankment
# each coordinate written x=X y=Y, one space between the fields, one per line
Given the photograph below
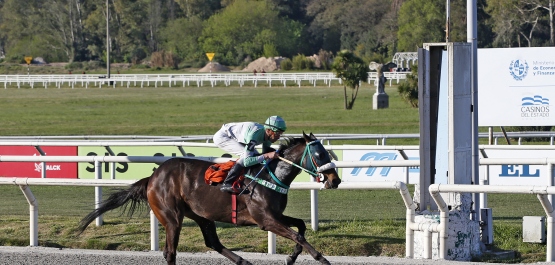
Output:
x=351 y=222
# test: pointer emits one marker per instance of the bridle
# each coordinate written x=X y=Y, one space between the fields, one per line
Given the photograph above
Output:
x=316 y=171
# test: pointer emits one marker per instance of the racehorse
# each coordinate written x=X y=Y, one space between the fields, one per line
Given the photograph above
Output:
x=177 y=189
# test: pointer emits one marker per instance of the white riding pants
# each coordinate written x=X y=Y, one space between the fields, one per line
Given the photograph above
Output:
x=226 y=141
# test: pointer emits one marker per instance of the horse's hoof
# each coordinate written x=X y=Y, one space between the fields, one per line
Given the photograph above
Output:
x=289 y=261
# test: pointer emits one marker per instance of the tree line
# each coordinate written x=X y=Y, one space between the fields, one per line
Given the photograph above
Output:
x=182 y=31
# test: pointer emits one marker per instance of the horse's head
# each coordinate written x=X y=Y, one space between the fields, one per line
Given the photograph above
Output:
x=317 y=158
x=312 y=157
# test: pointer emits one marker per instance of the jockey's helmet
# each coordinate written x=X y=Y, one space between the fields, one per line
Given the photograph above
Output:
x=275 y=123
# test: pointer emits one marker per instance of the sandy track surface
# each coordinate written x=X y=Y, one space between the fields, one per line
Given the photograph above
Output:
x=56 y=256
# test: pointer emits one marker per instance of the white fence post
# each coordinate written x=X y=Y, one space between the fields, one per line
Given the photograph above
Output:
x=314 y=208
x=33 y=215
x=98 y=189
x=271 y=243
x=154 y=244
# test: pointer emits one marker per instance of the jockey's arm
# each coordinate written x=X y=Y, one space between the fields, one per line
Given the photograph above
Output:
x=252 y=157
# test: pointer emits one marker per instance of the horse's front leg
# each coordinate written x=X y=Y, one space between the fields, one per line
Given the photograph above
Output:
x=300 y=225
x=279 y=227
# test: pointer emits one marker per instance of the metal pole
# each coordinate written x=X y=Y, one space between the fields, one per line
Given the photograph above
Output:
x=314 y=209
x=472 y=35
x=108 y=39
x=490 y=135
x=98 y=190
x=507 y=137
x=448 y=21
x=33 y=215
x=551 y=169
x=154 y=244
x=43 y=164
x=550 y=238
x=271 y=243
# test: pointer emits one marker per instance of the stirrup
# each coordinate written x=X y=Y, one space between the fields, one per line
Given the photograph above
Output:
x=233 y=189
x=227 y=188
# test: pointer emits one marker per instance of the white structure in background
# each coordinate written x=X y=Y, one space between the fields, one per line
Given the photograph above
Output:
x=405 y=59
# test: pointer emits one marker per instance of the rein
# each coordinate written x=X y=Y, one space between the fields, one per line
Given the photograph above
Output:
x=282 y=188
x=293 y=164
x=316 y=170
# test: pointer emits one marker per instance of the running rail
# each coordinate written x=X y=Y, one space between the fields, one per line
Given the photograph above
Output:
x=541 y=192
x=126 y=80
x=386 y=185
x=25 y=183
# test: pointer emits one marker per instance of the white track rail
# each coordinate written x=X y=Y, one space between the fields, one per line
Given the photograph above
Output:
x=127 y=80
x=25 y=183
x=541 y=192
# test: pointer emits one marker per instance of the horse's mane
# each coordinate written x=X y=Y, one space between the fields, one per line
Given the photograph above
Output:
x=290 y=142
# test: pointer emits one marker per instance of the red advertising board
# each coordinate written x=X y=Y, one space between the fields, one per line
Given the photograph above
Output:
x=34 y=169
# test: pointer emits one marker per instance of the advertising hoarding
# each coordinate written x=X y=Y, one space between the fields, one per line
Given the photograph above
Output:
x=518 y=174
x=34 y=169
x=379 y=173
x=136 y=170
x=133 y=171
x=515 y=86
x=498 y=174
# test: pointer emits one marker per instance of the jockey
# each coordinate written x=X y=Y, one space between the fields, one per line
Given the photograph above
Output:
x=241 y=139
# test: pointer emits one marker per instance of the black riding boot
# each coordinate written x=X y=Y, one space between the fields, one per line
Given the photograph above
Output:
x=232 y=175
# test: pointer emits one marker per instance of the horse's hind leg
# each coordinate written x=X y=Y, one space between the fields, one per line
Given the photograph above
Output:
x=172 y=240
x=211 y=240
x=294 y=222
x=172 y=222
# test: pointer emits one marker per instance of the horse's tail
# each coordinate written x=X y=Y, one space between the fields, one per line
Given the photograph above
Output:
x=135 y=194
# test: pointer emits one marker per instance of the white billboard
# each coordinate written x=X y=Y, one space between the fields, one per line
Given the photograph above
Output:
x=498 y=174
x=518 y=174
x=515 y=86
x=358 y=174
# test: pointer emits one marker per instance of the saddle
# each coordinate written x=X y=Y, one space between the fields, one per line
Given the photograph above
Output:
x=217 y=173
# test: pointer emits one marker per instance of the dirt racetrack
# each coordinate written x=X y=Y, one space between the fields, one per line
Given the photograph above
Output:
x=56 y=256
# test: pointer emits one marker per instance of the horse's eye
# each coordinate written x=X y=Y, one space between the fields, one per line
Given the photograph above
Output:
x=318 y=155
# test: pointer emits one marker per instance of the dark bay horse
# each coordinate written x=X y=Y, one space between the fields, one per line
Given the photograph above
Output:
x=177 y=189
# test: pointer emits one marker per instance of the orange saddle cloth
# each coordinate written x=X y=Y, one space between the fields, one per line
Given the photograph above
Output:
x=217 y=173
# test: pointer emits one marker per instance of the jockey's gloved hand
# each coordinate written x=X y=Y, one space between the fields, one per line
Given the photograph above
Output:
x=271 y=155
